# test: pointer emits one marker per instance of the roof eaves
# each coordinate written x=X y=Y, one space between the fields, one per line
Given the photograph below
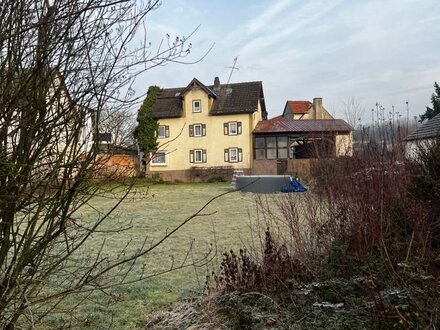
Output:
x=195 y=81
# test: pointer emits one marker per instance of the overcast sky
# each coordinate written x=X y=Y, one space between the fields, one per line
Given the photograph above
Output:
x=384 y=51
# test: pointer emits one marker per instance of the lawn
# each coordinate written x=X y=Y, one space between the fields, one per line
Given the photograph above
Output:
x=150 y=211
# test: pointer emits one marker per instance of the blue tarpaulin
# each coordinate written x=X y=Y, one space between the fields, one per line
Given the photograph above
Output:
x=293 y=186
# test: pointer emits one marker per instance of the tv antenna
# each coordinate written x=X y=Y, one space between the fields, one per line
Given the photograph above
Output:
x=233 y=67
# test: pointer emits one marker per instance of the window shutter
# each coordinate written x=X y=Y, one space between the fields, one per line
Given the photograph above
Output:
x=191 y=156
x=204 y=158
x=167 y=131
x=226 y=128
x=240 y=154
x=227 y=155
x=191 y=130
x=203 y=130
x=238 y=127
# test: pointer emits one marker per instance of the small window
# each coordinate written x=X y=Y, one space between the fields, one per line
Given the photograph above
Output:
x=198 y=156
x=198 y=130
x=271 y=153
x=259 y=154
x=259 y=142
x=233 y=155
x=163 y=132
x=197 y=106
x=271 y=142
x=159 y=158
x=233 y=128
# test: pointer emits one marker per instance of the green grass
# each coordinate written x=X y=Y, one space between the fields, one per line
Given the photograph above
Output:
x=151 y=211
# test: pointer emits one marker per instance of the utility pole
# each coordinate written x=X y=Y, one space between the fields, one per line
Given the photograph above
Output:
x=407 y=117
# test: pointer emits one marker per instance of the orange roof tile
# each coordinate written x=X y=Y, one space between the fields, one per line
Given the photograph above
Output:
x=299 y=107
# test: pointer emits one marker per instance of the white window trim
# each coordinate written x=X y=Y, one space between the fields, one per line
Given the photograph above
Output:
x=194 y=107
x=236 y=155
x=152 y=163
x=195 y=155
x=201 y=129
x=230 y=124
x=159 y=136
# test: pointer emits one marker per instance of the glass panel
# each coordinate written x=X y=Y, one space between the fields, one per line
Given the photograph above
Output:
x=271 y=142
x=196 y=106
x=161 y=131
x=282 y=142
x=282 y=153
x=233 y=128
x=271 y=153
x=233 y=155
x=198 y=154
x=259 y=142
x=159 y=158
x=259 y=154
x=197 y=130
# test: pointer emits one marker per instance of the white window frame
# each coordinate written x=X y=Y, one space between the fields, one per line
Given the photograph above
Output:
x=195 y=129
x=233 y=124
x=154 y=157
x=196 y=109
x=164 y=132
x=200 y=152
x=231 y=160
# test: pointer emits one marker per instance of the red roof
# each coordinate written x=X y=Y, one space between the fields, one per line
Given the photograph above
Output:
x=299 y=107
x=282 y=125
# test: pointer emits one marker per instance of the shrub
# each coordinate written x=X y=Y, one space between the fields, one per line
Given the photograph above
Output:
x=371 y=221
x=216 y=178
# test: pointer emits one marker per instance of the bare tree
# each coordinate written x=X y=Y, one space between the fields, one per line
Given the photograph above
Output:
x=120 y=124
x=61 y=63
x=353 y=111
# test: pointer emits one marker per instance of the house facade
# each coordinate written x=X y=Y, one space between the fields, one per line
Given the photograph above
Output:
x=422 y=137
x=206 y=129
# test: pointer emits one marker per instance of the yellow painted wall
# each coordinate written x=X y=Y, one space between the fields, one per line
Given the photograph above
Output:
x=179 y=143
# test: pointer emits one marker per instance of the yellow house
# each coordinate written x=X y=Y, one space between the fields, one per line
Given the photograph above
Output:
x=206 y=128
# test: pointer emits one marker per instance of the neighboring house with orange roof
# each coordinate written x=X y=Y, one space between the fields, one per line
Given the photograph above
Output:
x=306 y=110
x=305 y=131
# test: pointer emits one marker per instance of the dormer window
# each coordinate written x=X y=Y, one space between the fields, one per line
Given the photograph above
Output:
x=197 y=106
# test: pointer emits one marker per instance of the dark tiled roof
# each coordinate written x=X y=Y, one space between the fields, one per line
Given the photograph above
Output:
x=228 y=99
x=299 y=107
x=168 y=103
x=282 y=125
x=237 y=98
x=429 y=129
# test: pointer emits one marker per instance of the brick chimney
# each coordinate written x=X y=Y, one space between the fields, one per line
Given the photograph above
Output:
x=216 y=83
x=317 y=108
